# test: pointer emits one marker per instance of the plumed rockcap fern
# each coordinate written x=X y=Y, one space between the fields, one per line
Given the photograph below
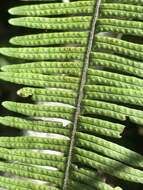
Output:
x=74 y=73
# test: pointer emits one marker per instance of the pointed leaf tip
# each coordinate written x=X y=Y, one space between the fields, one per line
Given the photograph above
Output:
x=4 y=68
x=11 y=21
x=5 y=104
x=10 y=11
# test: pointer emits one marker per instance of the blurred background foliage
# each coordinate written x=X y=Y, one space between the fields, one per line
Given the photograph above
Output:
x=133 y=135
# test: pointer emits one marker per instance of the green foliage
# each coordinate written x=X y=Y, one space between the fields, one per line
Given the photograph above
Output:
x=72 y=72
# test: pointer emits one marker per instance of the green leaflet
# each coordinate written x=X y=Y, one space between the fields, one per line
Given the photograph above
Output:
x=41 y=65
x=38 y=110
x=122 y=10
x=134 y=2
x=102 y=127
x=91 y=179
x=72 y=69
x=51 y=38
x=40 y=80
x=82 y=86
x=120 y=47
x=107 y=9
x=54 y=9
x=44 y=53
x=118 y=63
x=103 y=163
x=114 y=79
x=22 y=185
x=110 y=110
x=43 y=95
x=39 y=126
x=120 y=26
x=109 y=149
x=115 y=94
x=32 y=172
x=70 y=23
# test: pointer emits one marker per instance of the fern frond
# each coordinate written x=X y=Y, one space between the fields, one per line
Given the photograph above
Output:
x=84 y=83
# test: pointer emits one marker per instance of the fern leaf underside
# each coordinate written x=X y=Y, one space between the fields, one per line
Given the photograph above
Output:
x=73 y=74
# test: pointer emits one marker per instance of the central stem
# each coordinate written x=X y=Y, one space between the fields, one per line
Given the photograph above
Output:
x=81 y=91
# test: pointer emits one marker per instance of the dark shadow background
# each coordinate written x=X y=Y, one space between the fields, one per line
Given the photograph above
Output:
x=7 y=91
x=133 y=136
